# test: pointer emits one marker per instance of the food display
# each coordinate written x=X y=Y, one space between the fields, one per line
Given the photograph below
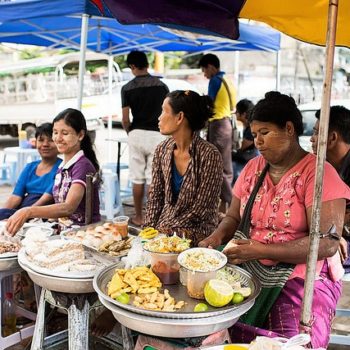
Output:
x=164 y=252
x=105 y=238
x=142 y=282
x=202 y=265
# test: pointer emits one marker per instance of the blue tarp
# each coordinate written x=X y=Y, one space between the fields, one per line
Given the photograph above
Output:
x=57 y=23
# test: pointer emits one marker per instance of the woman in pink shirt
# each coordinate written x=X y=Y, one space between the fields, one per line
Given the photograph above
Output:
x=279 y=224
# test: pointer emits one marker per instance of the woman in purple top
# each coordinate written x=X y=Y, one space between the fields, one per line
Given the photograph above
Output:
x=79 y=159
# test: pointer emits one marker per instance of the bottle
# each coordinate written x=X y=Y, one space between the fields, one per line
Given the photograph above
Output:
x=22 y=138
x=9 y=311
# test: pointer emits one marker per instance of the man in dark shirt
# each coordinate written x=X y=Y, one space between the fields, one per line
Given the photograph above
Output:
x=338 y=154
x=143 y=97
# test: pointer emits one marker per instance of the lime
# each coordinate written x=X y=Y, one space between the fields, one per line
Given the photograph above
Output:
x=237 y=298
x=218 y=293
x=123 y=298
x=200 y=307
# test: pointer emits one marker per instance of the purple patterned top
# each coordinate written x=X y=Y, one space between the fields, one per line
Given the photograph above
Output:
x=75 y=171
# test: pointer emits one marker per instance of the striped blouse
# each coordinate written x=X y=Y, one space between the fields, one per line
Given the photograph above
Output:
x=194 y=213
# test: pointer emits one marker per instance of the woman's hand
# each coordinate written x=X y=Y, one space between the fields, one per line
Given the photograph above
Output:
x=244 y=250
x=212 y=241
x=16 y=221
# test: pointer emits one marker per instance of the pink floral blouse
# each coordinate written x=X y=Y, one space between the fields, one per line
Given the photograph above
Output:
x=279 y=211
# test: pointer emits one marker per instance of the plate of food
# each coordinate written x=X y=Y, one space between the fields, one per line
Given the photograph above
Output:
x=60 y=258
x=140 y=290
x=103 y=238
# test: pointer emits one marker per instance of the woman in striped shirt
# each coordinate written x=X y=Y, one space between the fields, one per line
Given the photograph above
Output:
x=187 y=171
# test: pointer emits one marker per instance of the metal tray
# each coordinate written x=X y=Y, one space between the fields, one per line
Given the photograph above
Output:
x=174 y=328
x=8 y=263
x=58 y=284
x=179 y=292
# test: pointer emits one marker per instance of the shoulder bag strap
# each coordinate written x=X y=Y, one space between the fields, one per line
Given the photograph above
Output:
x=228 y=92
x=244 y=225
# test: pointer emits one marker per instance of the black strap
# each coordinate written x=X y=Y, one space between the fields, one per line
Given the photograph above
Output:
x=244 y=225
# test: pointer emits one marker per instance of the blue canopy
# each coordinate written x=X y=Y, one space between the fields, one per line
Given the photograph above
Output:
x=57 y=24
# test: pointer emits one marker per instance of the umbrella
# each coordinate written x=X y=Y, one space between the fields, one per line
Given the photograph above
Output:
x=304 y=20
x=298 y=18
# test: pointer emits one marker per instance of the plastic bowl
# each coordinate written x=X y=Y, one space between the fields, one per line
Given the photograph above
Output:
x=165 y=266
x=196 y=277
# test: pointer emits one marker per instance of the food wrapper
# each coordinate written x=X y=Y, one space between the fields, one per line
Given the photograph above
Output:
x=136 y=256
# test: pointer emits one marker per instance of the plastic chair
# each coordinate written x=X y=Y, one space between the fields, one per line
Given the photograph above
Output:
x=8 y=173
x=110 y=200
x=342 y=339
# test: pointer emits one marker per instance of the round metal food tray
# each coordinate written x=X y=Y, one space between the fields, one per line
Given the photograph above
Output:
x=179 y=292
x=59 y=284
x=174 y=328
x=8 y=263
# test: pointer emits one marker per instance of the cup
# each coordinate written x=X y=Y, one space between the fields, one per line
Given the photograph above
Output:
x=165 y=266
x=121 y=225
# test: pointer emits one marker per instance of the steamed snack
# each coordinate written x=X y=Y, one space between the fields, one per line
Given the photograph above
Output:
x=60 y=256
x=173 y=244
x=139 y=280
x=158 y=301
x=148 y=233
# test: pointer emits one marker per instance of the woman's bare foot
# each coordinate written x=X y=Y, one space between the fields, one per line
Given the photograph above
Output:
x=103 y=324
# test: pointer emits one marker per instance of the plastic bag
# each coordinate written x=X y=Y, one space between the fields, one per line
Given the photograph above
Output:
x=136 y=256
x=294 y=343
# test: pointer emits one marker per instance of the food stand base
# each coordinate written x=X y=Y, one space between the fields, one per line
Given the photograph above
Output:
x=78 y=308
x=5 y=286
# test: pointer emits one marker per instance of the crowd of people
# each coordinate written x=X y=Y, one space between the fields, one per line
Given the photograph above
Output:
x=189 y=180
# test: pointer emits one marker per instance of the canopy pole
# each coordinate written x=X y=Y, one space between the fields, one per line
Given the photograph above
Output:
x=236 y=72
x=278 y=70
x=110 y=101
x=83 y=43
x=306 y=316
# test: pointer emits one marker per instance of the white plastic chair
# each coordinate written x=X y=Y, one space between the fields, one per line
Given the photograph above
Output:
x=110 y=201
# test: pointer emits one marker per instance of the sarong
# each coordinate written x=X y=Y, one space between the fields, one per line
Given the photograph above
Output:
x=283 y=319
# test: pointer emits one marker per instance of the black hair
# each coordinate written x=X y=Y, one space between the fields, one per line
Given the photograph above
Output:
x=339 y=121
x=44 y=129
x=244 y=106
x=278 y=109
x=76 y=120
x=209 y=59
x=197 y=109
x=138 y=59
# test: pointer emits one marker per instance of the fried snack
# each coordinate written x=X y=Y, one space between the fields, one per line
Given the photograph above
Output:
x=138 y=280
x=116 y=248
x=158 y=301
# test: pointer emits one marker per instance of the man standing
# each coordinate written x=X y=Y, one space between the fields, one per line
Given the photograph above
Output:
x=338 y=154
x=143 y=96
x=220 y=127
